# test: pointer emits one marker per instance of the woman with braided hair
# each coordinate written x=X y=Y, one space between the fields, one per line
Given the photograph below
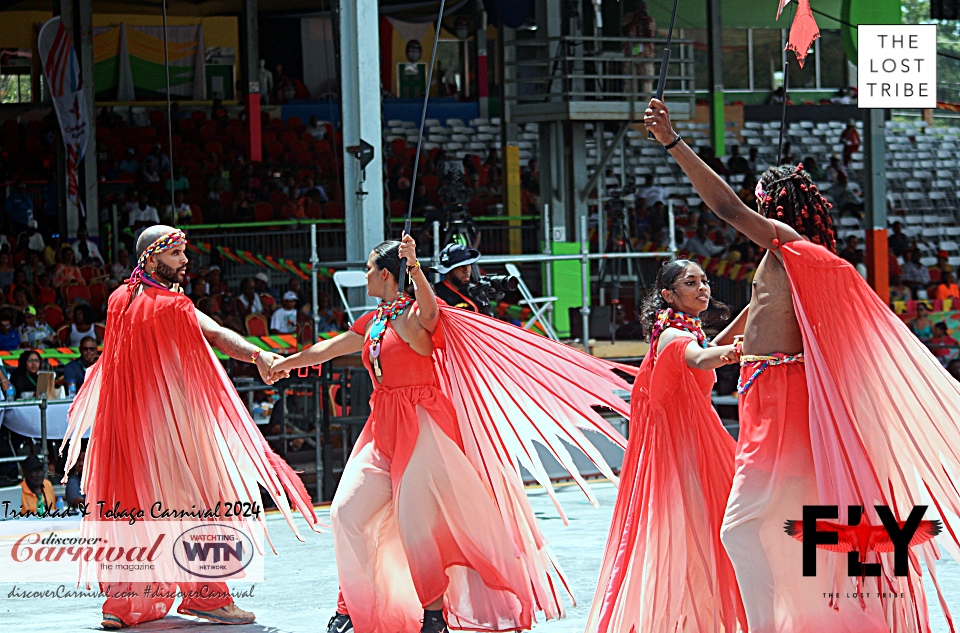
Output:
x=820 y=421
x=664 y=568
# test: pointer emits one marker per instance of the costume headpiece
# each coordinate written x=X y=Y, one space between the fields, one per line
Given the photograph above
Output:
x=165 y=243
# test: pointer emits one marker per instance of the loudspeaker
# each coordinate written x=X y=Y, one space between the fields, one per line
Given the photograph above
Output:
x=945 y=9
x=599 y=322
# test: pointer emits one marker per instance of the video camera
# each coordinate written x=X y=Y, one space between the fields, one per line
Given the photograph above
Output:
x=490 y=289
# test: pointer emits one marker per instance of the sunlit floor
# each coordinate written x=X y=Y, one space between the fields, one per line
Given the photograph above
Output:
x=300 y=588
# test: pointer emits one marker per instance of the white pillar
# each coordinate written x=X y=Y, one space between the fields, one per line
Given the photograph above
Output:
x=360 y=70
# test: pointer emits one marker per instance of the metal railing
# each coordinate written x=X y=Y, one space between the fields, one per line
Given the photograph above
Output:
x=567 y=69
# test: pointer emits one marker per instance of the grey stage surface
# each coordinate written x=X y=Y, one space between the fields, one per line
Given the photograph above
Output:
x=300 y=590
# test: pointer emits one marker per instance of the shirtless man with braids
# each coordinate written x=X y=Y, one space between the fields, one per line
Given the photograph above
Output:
x=775 y=474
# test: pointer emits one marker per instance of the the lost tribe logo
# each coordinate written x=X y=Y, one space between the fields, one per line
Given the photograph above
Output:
x=858 y=538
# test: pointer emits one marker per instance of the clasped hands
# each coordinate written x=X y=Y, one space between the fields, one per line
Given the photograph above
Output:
x=267 y=365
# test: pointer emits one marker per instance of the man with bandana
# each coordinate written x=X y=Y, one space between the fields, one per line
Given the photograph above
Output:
x=166 y=425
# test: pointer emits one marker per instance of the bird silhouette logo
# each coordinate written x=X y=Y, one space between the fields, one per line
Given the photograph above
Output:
x=863 y=538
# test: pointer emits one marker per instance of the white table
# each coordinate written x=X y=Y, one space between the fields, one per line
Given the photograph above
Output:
x=23 y=417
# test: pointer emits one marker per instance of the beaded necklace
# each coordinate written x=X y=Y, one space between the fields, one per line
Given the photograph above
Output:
x=670 y=318
x=385 y=312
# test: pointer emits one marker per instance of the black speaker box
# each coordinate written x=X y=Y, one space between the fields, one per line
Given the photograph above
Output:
x=599 y=322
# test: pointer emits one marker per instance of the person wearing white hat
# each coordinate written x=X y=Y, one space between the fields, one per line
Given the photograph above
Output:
x=284 y=319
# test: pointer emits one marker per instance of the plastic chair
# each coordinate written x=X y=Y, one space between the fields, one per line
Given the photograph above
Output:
x=538 y=305
x=256 y=325
x=346 y=279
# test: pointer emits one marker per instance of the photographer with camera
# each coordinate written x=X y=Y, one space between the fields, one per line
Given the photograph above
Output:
x=456 y=266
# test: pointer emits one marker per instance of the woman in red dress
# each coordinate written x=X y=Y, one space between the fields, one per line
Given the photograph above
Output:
x=664 y=568
x=430 y=512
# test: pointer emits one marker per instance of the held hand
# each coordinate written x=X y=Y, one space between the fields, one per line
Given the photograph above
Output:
x=264 y=363
x=656 y=118
x=277 y=372
x=408 y=250
x=731 y=356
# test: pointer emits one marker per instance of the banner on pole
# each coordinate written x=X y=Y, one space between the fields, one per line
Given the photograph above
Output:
x=62 y=70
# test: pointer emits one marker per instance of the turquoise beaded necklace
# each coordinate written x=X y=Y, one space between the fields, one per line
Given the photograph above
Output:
x=385 y=312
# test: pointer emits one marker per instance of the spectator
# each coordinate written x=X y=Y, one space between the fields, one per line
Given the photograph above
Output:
x=177 y=181
x=942 y=266
x=121 y=269
x=787 y=157
x=316 y=129
x=284 y=320
x=76 y=370
x=9 y=337
x=948 y=288
x=150 y=173
x=179 y=212
x=752 y=160
x=82 y=325
x=35 y=333
x=130 y=165
x=701 y=245
x=710 y=158
x=851 y=141
x=31 y=238
x=651 y=193
x=157 y=159
x=922 y=326
x=748 y=190
x=248 y=299
x=812 y=167
x=899 y=291
x=915 y=275
x=142 y=216
x=835 y=169
x=898 y=242
x=640 y=27
x=19 y=208
x=24 y=377
x=943 y=346
x=34 y=485
x=737 y=164
x=850 y=247
x=31 y=268
x=777 y=97
x=329 y=319
x=261 y=282
x=66 y=271
x=6 y=269
x=92 y=251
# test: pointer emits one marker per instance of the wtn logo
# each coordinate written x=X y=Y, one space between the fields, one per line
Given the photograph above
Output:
x=221 y=551
x=856 y=539
x=214 y=551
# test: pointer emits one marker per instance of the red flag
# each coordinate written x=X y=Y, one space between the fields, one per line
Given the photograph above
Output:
x=803 y=32
x=783 y=3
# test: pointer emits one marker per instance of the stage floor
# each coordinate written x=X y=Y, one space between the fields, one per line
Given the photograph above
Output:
x=300 y=591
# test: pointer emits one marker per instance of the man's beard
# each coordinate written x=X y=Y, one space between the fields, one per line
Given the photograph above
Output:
x=169 y=274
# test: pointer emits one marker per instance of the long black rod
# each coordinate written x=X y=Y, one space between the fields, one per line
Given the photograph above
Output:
x=662 y=80
x=416 y=161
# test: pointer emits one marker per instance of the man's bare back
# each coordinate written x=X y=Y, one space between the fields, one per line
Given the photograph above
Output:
x=772 y=320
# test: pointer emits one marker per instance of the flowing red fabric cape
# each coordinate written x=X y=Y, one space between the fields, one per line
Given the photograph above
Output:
x=166 y=424
x=884 y=417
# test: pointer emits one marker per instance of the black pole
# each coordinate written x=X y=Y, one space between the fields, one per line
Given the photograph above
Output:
x=662 y=80
x=416 y=160
x=783 y=116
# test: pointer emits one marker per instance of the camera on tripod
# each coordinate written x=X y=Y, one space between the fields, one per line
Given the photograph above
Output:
x=615 y=202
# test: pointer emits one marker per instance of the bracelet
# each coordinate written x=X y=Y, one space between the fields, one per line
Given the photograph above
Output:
x=674 y=143
x=254 y=357
x=410 y=269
